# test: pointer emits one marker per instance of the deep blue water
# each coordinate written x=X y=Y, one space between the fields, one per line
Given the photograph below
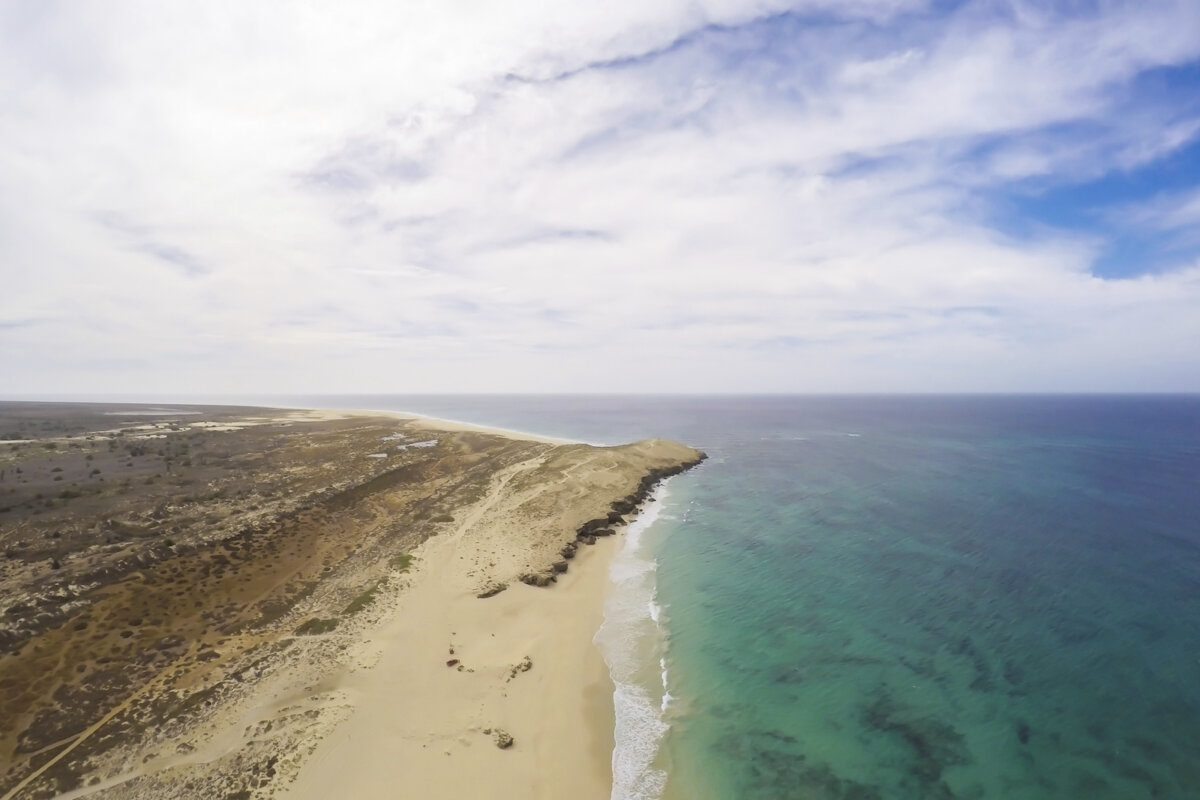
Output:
x=915 y=597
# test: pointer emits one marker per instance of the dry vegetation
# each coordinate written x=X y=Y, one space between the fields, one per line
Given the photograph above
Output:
x=153 y=563
x=179 y=585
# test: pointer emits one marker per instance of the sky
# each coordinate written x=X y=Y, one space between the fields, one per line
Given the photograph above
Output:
x=549 y=196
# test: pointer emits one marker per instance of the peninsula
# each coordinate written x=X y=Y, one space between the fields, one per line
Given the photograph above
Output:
x=247 y=602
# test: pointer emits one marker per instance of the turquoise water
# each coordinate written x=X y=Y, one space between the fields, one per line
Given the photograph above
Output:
x=908 y=597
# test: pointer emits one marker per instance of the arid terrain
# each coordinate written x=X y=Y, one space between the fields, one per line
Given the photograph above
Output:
x=179 y=583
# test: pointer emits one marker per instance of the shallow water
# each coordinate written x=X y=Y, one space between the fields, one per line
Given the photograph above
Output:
x=912 y=597
x=633 y=642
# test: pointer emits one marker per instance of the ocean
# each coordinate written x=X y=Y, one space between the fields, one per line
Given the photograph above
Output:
x=886 y=598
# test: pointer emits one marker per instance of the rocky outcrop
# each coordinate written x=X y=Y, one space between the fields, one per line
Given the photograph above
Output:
x=631 y=503
x=588 y=532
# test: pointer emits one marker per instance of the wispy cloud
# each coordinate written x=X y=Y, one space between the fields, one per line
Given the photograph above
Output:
x=665 y=195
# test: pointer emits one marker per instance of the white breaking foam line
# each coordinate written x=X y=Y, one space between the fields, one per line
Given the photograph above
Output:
x=632 y=627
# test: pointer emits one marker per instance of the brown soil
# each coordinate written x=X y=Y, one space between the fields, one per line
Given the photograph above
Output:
x=159 y=570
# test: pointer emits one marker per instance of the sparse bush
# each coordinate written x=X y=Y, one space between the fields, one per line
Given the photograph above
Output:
x=316 y=626
x=363 y=600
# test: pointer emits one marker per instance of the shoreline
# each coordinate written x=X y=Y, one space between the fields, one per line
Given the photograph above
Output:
x=437 y=727
x=438 y=424
x=452 y=673
x=422 y=618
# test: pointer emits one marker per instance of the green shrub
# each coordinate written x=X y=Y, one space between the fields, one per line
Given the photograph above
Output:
x=315 y=626
x=363 y=600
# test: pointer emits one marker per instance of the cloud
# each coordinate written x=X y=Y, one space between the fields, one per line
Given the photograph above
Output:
x=1169 y=211
x=720 y=196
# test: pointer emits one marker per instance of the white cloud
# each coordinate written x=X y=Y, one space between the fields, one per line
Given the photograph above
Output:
x=1170 y=211
x=544 y=196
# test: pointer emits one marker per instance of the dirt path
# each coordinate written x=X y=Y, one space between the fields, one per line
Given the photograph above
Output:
x=150 y=686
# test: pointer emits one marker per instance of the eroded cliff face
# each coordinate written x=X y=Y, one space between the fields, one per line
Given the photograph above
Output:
x=648 y=463
x=197 y=558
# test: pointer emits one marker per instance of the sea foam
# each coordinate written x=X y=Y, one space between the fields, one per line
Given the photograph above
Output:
x=633 y=643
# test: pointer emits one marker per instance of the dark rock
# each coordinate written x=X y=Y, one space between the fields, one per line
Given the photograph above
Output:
x=592 y=525
x=568 y=550
x=587 y=538
x=452 y=662
x=492 y=590
x=603 y=532
x=559 y=566
x=525 y=665
x=504 y=739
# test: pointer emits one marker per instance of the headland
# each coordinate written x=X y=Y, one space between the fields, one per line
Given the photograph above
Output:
x=247 y=602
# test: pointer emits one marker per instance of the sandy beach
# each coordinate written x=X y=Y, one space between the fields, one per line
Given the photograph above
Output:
x=452 y=674
x=368 y=605
x=422 y=729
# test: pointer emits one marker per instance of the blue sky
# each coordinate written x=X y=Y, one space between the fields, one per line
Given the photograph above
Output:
x=669 y=196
